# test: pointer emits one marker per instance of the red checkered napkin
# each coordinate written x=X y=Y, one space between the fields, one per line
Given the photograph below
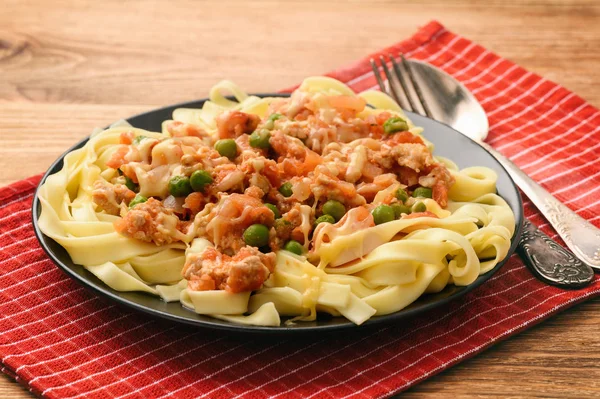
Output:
x=61 y=340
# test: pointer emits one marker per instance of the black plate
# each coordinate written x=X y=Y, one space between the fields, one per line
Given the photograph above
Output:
x=448 y=143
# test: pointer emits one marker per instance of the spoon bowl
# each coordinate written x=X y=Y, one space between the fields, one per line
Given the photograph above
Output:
x=450 y=101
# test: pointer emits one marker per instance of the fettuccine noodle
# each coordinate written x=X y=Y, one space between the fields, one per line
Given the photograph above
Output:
x=166 y=214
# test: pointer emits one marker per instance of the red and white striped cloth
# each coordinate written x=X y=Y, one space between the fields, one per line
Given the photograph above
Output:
x=61 y=340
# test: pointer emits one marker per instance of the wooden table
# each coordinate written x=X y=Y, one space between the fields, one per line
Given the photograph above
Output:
x=69 y=66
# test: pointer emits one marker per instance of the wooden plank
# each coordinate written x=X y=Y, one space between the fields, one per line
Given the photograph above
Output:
x=9 y=389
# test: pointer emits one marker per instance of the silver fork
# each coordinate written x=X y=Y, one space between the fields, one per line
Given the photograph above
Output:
x=547 y=260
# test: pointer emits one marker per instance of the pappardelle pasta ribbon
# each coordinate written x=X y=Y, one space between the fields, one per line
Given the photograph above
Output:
x=253 y=209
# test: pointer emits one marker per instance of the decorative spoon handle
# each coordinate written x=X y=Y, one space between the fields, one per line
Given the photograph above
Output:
x=550 y=262
x=582 y=237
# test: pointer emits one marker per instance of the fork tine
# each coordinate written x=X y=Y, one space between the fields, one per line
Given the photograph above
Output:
x=389 y=77
x=400 y=77
x=416 y=86
x=378 y=76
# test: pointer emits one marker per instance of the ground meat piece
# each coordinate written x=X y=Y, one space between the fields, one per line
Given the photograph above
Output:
x=151 y=222
x=205 y=158
x=226 y=222
x=287 y=147
x=246 y=271
x=261 y=173
x=110 y=196
x=289 y=226
x=180 y=129
x=256 y=180
x=255 y=191
x=413 y=156
x=439 y=180
x=327 y=185
x=117 y=159
x=407 y=176
x=231 y=124
x=227 y=177
x=295 y=158
x=299 y=107
x=194 y=203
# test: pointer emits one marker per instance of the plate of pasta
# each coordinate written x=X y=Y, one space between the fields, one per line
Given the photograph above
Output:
x=318 y=210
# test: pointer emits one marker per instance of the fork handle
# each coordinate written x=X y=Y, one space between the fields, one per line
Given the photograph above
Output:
x=582 y=237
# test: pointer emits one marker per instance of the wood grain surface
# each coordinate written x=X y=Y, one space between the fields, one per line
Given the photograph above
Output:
x=69 y=66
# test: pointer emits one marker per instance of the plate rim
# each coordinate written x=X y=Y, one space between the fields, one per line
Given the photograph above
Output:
x=106 y=291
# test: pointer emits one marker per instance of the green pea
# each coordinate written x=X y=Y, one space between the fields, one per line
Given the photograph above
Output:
x=179 y=186
x=274 y=209
x=399 y=209
x=270 y=123
x=422 y=192
x=138 y=199
x=260 y=139
x=383 y=214
x=138 y=139
x=227 y=148
x=286 y=189
x=395 y=124
x=324 y=219
x=401 y=194
x=294 y=247
x=256 y=235
x=130 y=184
x=200 y=179
x=335 y=209
x=419 y=207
